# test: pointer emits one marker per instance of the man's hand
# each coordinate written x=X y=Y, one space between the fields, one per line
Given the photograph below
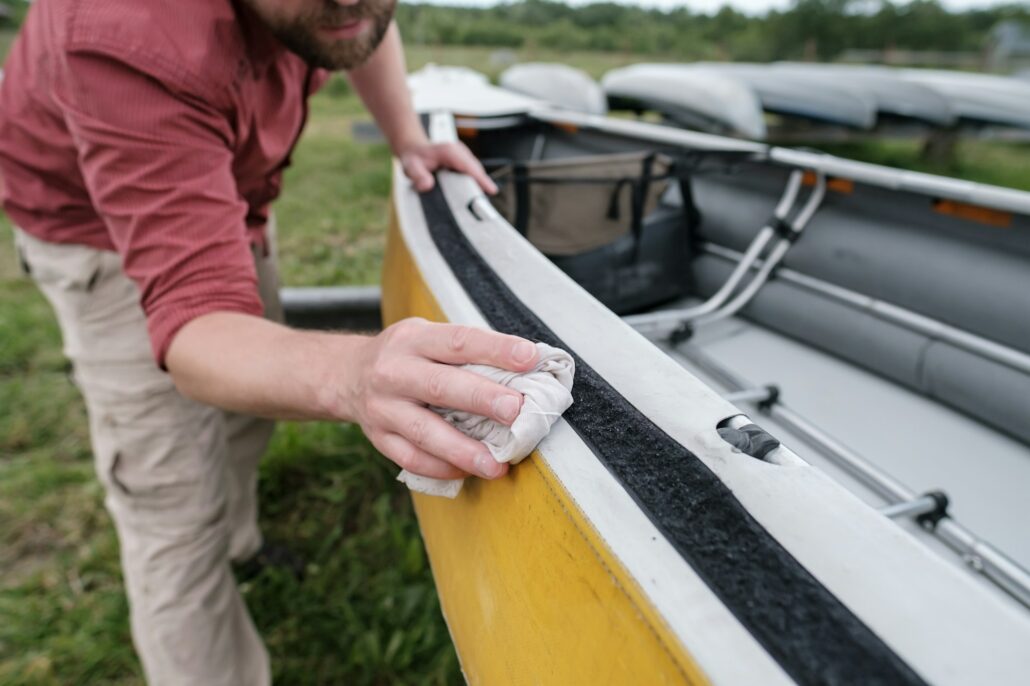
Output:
x=382 y=86
x=422 y=159
x=411 y=365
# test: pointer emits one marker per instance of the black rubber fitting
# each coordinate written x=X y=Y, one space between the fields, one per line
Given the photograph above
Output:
x=929 y=520
x=783 y=228
x=681 y=334
x=774 y=397
x=750 y=439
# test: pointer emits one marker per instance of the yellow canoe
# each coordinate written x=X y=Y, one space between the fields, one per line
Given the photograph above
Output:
x=636 y=545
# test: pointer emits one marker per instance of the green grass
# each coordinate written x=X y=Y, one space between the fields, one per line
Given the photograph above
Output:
x=333 y=215
x=6 y=38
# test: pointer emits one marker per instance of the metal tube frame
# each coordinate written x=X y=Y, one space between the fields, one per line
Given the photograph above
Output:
x=811 y=206
x=923 y=324
x=980 y=555
x=748 y=395
x=671 y=319
x=909 y=508
x=716 y=308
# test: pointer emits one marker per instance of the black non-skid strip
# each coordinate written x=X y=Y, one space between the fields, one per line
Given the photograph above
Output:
x=804 y=627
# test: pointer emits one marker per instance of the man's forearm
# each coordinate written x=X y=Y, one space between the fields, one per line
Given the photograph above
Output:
x=385 y=382
x=381 y=83
x=247 y=364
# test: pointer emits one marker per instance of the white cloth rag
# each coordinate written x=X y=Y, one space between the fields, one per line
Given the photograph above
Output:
x=547 y=391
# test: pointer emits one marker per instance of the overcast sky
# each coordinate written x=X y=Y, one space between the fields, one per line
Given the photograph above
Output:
x=708 y=6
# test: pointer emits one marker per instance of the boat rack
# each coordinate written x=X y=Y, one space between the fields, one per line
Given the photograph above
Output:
x=994 y=197
x=929 y=509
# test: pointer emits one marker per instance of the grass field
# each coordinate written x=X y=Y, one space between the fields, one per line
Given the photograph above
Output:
x=367 y=612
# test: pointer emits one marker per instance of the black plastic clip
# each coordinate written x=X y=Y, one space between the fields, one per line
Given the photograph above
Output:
x=750 y=439
x=681 y=334
x=771 y=399
x=929 y=520
x=784 y=228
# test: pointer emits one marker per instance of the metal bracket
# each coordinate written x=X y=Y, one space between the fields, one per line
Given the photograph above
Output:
x=763 y=396
x=928 y=509
x=681 y=334
x=750 y=439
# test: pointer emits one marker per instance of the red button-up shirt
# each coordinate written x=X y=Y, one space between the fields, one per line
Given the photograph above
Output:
x=157 y=128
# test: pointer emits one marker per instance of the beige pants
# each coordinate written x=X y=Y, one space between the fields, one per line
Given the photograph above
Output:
x=180 y=476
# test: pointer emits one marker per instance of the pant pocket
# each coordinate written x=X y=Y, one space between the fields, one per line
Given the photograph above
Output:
x=72 y=268
x=22 y=262
x=165 y=470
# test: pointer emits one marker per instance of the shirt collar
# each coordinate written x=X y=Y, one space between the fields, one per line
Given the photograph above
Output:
x=261 y=45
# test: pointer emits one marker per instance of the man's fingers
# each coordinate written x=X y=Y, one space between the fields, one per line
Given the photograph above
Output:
x=453 y=388
x=415 y=364
x=416 y=169
x=417 y=461
x=456 y=344
x=419 y=163
x=463 y=160
x=427 y=431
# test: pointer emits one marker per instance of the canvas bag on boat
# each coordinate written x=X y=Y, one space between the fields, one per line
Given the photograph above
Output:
x=595 y=218
x=568 y=206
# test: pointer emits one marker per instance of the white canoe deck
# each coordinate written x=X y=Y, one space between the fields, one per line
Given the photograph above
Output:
x=919 y=442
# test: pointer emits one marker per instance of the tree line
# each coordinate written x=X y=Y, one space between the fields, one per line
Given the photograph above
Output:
x=809 y=29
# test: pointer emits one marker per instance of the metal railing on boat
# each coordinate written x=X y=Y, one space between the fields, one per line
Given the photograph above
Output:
x=1005 y=199
x=674 y=322
x=675 y=318
x=900 y=500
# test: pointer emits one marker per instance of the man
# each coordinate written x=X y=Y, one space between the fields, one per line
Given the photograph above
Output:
x=141 y=144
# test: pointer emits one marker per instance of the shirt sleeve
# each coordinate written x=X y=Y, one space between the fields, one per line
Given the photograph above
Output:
x=158 y=165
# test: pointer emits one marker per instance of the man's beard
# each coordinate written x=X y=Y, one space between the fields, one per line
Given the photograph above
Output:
x=302 y=34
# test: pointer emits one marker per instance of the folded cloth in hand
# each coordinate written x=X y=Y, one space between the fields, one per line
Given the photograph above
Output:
x=547 y=392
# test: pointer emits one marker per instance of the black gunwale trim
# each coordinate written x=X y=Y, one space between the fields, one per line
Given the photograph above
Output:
x=797 y=620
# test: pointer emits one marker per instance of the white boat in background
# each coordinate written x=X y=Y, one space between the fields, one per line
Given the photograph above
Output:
x=730 y=97
x=796 y=94
x=892 y=97
x=558 y=84
x=434 y=87
x=801 y=388
x=693 y=97
x=978 y=98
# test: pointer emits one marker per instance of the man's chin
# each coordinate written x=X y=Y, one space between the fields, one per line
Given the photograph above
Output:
x=346 y=32
x=345 y=46
x=351 y=58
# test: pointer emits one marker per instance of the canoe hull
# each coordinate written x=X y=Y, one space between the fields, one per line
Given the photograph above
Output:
x=530 y=591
